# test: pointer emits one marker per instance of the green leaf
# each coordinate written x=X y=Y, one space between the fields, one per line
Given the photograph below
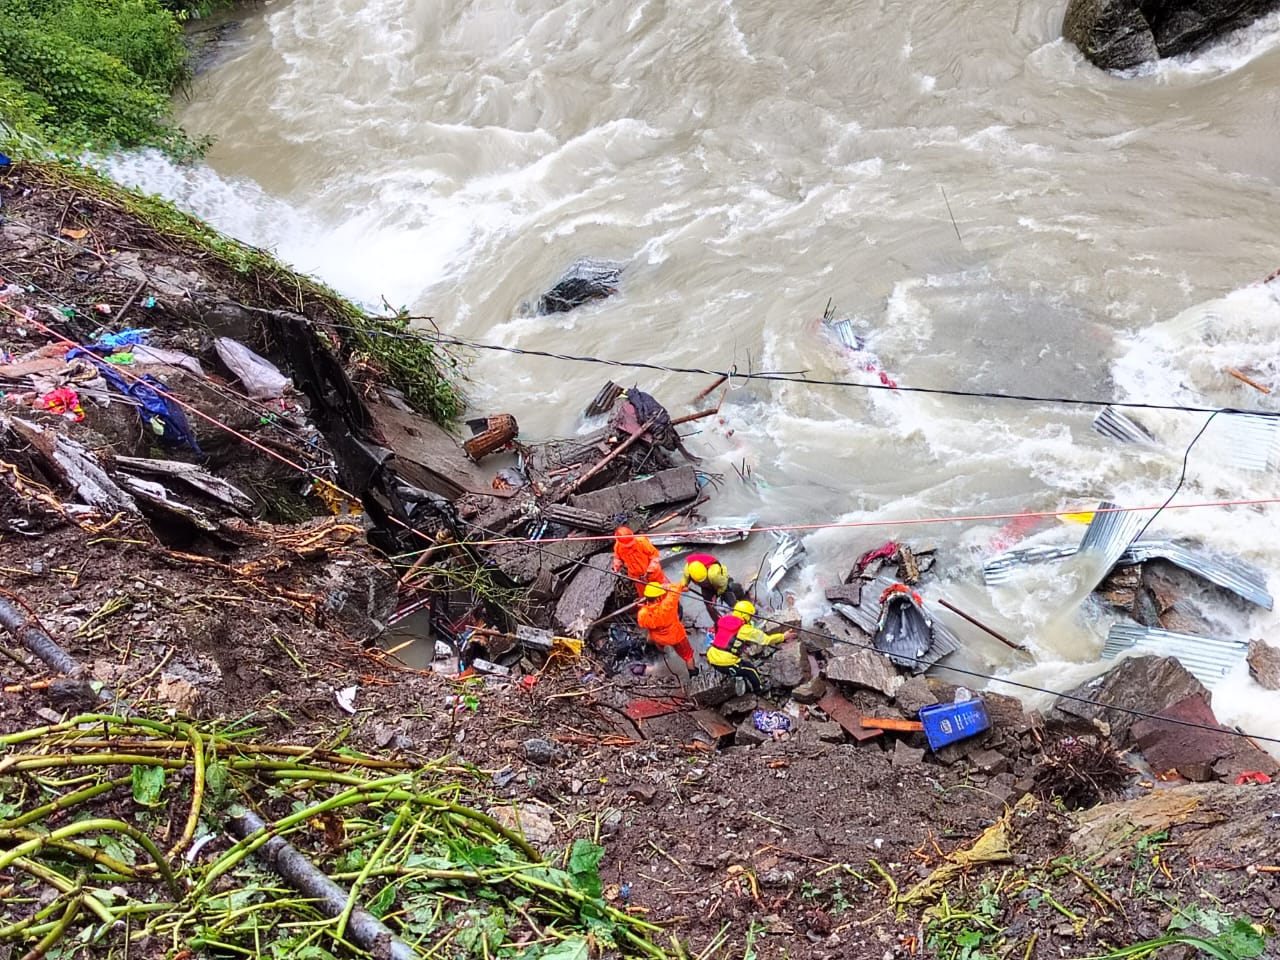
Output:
x=574 y=948
x=381 y=904
x=148 y=784
x=1243 y=940
x=584 y=867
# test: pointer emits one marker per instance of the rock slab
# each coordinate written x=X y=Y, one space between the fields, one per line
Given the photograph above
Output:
x=1264 y=664
x=868 y=669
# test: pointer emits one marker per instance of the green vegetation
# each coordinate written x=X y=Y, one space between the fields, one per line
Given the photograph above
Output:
x=405 y=843
x=92 y=73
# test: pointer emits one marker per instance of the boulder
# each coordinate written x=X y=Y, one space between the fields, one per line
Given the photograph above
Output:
x=710 y=688
x=586 y=280
x=1264 y=664
x=1145 y=684
x=1119 y=34
x=787 y=668
x=1195 y=746
x=811 y=691
x=866 y=668
x=913 y=695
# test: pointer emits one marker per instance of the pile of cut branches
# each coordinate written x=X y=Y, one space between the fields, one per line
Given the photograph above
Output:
x=154 y=836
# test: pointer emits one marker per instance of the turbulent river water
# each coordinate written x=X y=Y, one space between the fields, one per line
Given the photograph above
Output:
x=994 y=214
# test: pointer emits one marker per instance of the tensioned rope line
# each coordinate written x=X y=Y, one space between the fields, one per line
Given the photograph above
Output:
x=976 y=674
x=788 y=377
x=901 y=522
x=909 y=521
x=808 y=631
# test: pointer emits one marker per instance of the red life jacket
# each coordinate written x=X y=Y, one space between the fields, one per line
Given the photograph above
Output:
x=726 y=637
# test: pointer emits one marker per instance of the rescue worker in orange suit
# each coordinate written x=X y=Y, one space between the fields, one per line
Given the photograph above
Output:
x=714 y=581
x=660 y=614
x=638 y=556
x=733 y=632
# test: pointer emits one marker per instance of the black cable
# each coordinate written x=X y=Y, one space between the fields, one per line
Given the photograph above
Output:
x=796 y=376
x=1186 y=455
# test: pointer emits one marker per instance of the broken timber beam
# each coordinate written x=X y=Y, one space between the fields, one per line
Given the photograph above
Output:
x=588 y=591
x=666 y=486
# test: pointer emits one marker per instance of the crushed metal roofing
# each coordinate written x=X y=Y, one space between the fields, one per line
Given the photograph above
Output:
x=1208 y=659
x=1231 y=573
x=726 y=531
x=1105 y=540
x=783 y=557
x=866 y=616
x=1241 y=440
x=1110 y=422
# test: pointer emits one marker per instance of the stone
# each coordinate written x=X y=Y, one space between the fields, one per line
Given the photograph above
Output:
x=587 y=279
x=743 y=704
x=1145 y=684
x=710 y=688
x=1119 y=34
x=990 y=762
x=1195 y=752
x=643 y=792
x=610 y=822
x=539 y=751
x=748 y=735
x=1264 y=664
x=828 y=731
x=811 y=691
x=906 y=756
x=850 y=593
x=584 y=598
x=787 y=668
x=913 y=695
x=182 y=695
x=529 y=819
x=665 y=486
x=866 y=668
x=74 y=695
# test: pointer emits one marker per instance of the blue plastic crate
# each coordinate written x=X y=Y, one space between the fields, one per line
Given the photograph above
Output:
x=946 y=723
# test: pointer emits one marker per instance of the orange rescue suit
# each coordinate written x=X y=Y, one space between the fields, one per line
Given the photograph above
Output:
x=661 y=618
x=640 y=559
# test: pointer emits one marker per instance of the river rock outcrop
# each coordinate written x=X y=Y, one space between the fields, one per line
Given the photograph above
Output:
x=1119 y=34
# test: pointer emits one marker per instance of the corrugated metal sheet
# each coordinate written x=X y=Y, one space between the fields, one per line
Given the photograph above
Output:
x=1116 y=425
x=844 y=331
x=999 y=569
x=1106 y=538
x=1208 y=659
x=1243 y=441
x=1230 y=573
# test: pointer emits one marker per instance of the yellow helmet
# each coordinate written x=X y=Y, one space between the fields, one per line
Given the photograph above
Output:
x=697 y=571
x=744 y=609
x=652 y=590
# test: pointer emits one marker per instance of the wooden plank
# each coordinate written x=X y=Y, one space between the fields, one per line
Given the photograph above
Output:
x=588 y=591
x=426 y=455
x=892 y=723
x=847 y=715
x=713 y=725
x=666 y=486
x=650 y=708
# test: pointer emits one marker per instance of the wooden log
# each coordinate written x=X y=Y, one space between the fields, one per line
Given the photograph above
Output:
x=604 y=461
x=38 y=641
x=499 y=430
x=578 y=517
x=365 y=930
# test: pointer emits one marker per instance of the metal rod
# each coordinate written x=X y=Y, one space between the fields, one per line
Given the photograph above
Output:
x=982 y=626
